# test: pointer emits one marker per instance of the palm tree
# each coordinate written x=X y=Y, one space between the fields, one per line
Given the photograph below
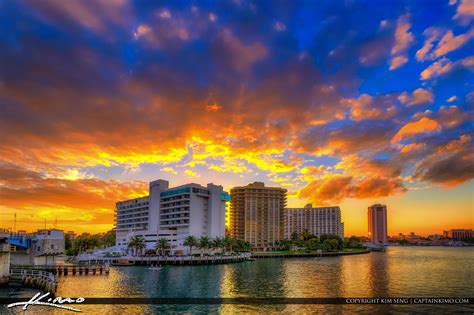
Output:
x=138 y=243
x=204 y=243
x=217 y=243
x=162 y=245
x=190 y=241
x=229 y=242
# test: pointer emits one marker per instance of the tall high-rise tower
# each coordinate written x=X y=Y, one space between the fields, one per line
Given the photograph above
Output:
x=377 y=216
x=257 y=214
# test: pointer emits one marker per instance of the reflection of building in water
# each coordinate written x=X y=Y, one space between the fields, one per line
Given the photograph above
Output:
x=258 y=279
x=317 y=221
x=377 y=217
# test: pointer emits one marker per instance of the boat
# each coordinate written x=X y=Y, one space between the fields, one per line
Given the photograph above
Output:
x=122 y=262
x=157 y=267
x=377 y=248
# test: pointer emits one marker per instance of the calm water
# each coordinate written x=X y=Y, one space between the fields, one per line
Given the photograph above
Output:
x=399 y=272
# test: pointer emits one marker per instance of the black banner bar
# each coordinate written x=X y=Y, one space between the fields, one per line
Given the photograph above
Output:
x=262 y=301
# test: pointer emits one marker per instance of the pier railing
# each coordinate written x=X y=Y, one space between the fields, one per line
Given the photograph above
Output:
x=34 y=278
x=165 y=260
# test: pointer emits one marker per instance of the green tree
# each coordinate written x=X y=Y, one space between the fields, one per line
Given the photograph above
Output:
x=286 y=244
x=191 y=242
x=217 y=243
x=107 y=239
x=243 y=245
x=162 y=245
x=229 y=243
x=137 y=243
x=305 y=235
x=326 y=245
x=294 y=237
x=335 y=244
x=339 y=240
x=204 y=243
x=312 y=243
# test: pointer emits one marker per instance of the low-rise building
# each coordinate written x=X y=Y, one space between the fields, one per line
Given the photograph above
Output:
x=460 y=234
x=4 y=257
x=41 y=248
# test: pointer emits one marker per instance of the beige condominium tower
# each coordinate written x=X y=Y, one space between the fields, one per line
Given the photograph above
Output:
x=377 y=223
x=257 y=214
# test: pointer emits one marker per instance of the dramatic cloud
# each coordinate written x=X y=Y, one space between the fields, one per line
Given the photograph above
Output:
x=418 y=97
x=422 y=126
x=403 y=40
x=368 y=107
x=332 y=189
x=450 y=165
x=465 y=12
x=447 y=42
x=78 y=201
x=444 y=66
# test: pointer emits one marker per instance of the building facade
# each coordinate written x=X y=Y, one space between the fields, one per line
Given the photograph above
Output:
x=377 y=223
x=257 y=214
x=45 y=247
x=173 y=214
x=460 y=234
x=317 y=221
x=4 y=257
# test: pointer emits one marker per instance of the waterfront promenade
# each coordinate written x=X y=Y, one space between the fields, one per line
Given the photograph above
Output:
x=163 y=260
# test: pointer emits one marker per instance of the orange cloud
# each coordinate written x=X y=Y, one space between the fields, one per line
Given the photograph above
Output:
x=86 y=202
x=418 y=97
x=368 y=107
x=333 y=188
x=465 y=12
x=422 y=126
x=449 y=165
x=444 y=66
x=449 y=43
x=403 y=41
x=411 y=147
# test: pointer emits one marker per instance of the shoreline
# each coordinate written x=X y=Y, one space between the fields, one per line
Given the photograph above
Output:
x=302 y=255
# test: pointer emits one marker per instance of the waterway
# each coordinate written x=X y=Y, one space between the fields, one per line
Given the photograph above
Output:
x=398 y=272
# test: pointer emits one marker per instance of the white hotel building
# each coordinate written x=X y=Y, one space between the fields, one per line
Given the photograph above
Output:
x=317 y=221
x=174 y=214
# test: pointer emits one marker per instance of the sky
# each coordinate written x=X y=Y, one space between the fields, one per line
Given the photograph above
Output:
x=345 y=103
